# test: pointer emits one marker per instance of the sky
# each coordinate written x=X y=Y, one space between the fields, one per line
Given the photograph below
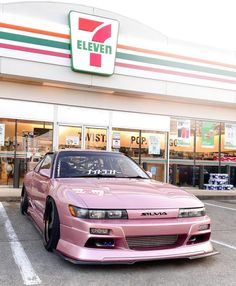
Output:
x=207 y=22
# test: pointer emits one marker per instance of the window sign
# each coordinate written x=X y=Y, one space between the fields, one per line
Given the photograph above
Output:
x=72 y=140
x=116 y=140
x=154 y=145
x=2 y=134
x=183 y=132
x=207 y=134
x=230 y=136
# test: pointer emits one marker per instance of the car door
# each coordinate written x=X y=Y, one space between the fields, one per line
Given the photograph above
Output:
x=41 y=184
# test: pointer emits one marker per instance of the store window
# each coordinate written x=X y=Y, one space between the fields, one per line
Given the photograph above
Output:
x=207 y=149
x=228 y=150
x=181 y=144
x=70 y=137
x=34 y=139
x=7 y=151
x=22 y=145
x=95 y=138
x=146 y=147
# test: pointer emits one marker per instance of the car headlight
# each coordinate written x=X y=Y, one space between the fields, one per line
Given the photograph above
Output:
x=192 y=212
x=97 y=214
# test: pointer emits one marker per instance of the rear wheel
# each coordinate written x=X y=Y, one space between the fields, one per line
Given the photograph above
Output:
x=51 y=233
x=24 y=203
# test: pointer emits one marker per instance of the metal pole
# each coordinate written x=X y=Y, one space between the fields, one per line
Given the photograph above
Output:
x=194 y=153
x=140 y=146
x=16 y=174
x=219 y=150
x=167 y=171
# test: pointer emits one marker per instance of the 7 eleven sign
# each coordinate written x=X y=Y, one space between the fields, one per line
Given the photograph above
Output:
x=93 y=43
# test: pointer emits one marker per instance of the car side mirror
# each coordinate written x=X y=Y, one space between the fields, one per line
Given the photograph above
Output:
x=45 y=172
x=149 y=174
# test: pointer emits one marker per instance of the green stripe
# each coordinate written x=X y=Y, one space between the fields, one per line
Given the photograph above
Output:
x=160 y=62
x=119 y=55
x=35 y=41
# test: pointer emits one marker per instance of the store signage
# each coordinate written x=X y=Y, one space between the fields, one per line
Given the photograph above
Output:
x=207 y=131
x=154 y=145
x=93 y=43
x=230 y=136
x=72 y=140
x=183 y=133
x=2 y=134
x=116 y=140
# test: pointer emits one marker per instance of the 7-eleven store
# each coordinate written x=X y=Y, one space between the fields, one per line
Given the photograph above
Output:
x=168 y=104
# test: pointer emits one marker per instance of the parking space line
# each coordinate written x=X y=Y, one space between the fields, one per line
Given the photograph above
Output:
x=217 y=206
x=224 y=244
x=21 y=259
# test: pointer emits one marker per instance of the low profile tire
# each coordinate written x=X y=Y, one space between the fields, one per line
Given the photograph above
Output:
x=51 y=232
x=24 y=203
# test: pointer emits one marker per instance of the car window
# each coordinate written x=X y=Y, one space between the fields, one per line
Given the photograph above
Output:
x=47 y=162
x=85 y=164
x=36 y=169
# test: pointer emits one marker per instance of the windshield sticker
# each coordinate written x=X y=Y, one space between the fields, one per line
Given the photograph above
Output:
x=102 y=172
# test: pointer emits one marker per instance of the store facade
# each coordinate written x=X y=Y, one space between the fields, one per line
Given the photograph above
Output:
x=170 y=105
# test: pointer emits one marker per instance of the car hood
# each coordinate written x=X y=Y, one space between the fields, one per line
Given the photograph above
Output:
x=112 y=193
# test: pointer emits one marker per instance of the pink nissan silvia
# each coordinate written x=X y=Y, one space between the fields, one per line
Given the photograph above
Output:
x=101 y=207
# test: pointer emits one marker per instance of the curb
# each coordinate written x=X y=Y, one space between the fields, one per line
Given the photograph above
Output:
x=9 y=199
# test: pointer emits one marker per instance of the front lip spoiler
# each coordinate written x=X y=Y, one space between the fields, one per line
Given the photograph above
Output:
x=79 y=262
x=214 y=252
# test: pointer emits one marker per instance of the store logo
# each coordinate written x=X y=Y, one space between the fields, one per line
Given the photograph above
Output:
x=93 y=43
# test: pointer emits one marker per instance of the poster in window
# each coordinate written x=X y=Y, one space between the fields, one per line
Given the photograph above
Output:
x=207 y=131
x=72 y=140
x=116 y=140
x=2 y=134
x=183 y=133
x=230 y=136
x=154 y=145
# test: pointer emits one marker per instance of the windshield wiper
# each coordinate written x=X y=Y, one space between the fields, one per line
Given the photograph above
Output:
x=136 y=177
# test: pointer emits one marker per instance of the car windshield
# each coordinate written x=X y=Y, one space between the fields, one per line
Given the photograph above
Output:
x=71 y=164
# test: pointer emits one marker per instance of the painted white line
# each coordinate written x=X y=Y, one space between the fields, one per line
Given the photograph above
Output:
x=224 y=244
x=27 y=272
x=221 y=207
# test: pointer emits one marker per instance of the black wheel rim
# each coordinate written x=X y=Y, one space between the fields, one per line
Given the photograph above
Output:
x=49 y=225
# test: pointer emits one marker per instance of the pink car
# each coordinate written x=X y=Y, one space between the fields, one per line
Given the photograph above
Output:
x=101 y=207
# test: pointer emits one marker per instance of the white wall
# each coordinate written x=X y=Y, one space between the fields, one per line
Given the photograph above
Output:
x=133 y=103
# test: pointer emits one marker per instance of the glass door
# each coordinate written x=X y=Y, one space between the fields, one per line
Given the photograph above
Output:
x=95 y=138
x=70 y=137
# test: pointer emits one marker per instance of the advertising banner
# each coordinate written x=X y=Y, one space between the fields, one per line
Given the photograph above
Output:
x=230 y=136
x=2 y=134
x=154 y=145
x=207 y=131
x=183 y=132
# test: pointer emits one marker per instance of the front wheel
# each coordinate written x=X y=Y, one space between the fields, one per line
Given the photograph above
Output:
x=51 y=232
x=24 y=203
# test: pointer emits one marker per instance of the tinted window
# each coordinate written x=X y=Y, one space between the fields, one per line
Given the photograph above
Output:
x=47 y=162
x=85 y=164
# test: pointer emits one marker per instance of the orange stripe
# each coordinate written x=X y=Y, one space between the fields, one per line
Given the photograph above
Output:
x=31 y=30
x=175 y=56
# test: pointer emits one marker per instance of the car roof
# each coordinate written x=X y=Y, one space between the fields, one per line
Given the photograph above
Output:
x=88 y=151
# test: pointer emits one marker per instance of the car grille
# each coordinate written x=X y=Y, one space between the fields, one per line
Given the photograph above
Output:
x=152 y=242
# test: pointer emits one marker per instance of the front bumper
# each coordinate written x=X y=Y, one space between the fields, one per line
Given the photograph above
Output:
x=76 y=233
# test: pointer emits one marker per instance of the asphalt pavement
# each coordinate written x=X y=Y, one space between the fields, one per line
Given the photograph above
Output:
x=24 y=261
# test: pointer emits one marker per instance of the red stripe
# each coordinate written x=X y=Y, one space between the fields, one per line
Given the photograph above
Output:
x=35 y=51
x=156 y=70
x=88 y=25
